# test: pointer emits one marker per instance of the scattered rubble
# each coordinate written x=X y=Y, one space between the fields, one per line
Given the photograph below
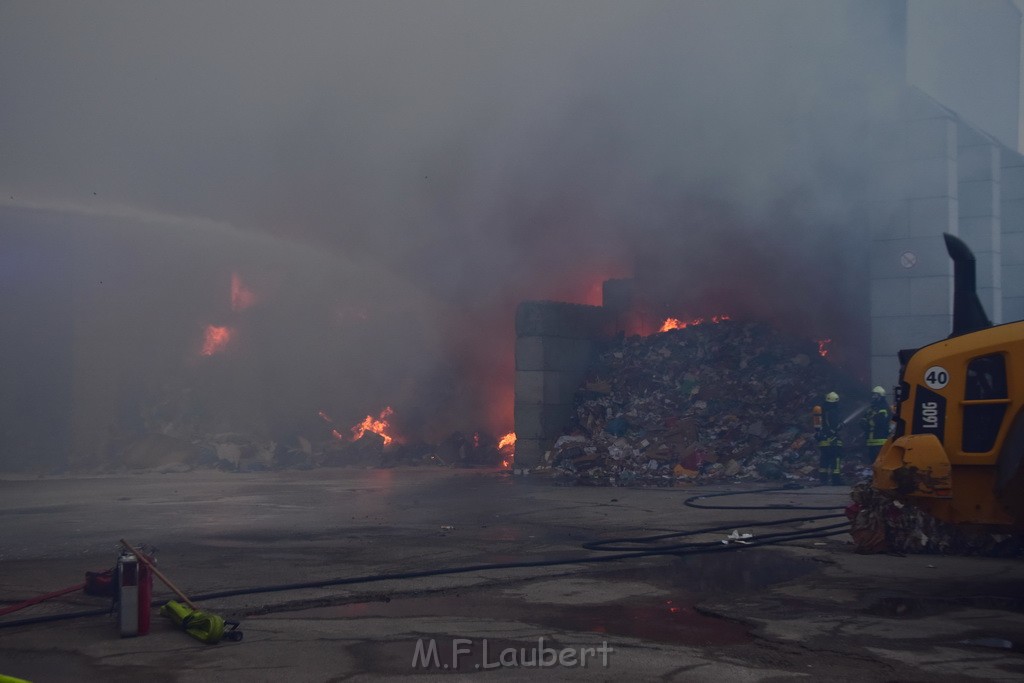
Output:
x=172 y=430
x=880 y=523
x=187 y=447
x=728 y=401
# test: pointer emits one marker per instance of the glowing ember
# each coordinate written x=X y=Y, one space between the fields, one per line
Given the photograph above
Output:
x=507 y=441
x=377 y=426
x=677 y=324
x=823 y=347
x=215 y=339
x=241 y=296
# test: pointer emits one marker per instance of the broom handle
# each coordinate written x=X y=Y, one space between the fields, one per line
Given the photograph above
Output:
x=145 y=560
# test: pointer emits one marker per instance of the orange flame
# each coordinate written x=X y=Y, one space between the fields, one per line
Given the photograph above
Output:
x=377 y=426
x=241 y=296
x=823 y=347
x=507 y=445
x=215 y=339
x=677 y=324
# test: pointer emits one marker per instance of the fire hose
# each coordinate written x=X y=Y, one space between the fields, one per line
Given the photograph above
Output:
x=40 y=598
x=614 y=546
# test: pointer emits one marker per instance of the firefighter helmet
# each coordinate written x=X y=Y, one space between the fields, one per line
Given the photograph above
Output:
x=831 y=397
x=878 y=391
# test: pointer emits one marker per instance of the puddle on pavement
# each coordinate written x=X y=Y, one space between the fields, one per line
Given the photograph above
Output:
x=727 y=572
x=663 y=620
x=666 y=613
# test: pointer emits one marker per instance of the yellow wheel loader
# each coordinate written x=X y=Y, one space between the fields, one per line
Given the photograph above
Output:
x=958 y=447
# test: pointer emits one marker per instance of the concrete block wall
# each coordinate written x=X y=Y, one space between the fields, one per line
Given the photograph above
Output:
x=556 y=344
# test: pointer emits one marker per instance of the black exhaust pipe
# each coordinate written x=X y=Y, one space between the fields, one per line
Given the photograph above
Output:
x=968 y=313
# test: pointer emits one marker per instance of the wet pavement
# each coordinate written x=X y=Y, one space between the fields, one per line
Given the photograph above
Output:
x=808 y=609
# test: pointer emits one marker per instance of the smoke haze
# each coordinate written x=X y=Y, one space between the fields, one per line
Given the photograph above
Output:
x=390 y=179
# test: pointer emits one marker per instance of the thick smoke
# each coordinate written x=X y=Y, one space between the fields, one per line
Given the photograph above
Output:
x=391 y=179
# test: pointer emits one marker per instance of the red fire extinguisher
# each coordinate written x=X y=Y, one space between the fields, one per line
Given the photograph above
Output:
x=135 y=591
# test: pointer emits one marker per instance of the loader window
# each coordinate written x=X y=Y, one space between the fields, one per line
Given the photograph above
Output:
x=986 y=378
x=985 y=402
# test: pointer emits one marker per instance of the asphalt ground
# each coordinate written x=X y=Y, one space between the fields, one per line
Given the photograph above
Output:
x=805 y=609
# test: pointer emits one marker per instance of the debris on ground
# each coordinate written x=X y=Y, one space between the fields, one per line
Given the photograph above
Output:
x=882 y=523
x=737 y=537
x=726 y=401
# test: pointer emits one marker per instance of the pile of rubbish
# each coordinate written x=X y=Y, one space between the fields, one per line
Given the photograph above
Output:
x=724 y=401
x=880 y=523
x=175 y=431
x=239 y=452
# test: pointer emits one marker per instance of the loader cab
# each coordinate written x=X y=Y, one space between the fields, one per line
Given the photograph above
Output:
x=958 y=446
x=959 y=390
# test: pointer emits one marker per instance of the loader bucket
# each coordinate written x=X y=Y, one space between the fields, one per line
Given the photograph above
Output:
x=914 y=465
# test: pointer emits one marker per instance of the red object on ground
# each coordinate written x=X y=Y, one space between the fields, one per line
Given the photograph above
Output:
x=41 y=598
x=145 y=597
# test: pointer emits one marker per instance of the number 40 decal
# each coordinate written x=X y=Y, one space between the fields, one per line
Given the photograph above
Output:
x=936 y=377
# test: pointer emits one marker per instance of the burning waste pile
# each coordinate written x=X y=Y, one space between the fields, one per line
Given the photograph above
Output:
x=175 y=433
x=217 y=409
x=699 y=402
x=372 y=443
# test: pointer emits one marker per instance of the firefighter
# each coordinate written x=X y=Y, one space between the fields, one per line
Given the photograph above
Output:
x=875 y=423
x=830 y=441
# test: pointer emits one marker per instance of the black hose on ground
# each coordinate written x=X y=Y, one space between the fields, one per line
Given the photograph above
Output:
x=692 y=501
x=627 y=544
x=678 y=549
x=63 y=616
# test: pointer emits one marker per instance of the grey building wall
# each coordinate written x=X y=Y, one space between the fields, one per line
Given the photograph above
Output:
x=966 y=55
x=911 y=275
x=958 y=170
x=1011 y=228
x=979 y=173
x=956 y=179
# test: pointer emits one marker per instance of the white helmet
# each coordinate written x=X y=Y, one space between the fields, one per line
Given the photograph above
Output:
x=831 y=397
x=878 y=391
